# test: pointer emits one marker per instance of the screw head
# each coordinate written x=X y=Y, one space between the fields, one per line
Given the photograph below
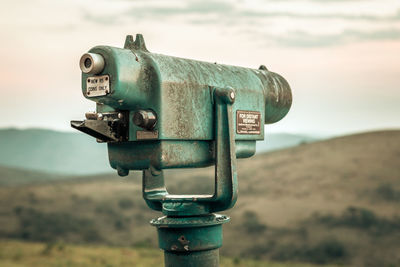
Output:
x=232 y=95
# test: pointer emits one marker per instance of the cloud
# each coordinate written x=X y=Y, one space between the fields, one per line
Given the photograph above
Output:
x=225 y=9
x=312 y=0
x=195 y=9
x=304 y=39
x=296 y=25
x=101 y=19
x=200 y=11
x=206 y=7
x=310 y=16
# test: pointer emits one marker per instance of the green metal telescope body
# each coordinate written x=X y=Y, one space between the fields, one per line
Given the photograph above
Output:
x=158 y=112
x=180 y=92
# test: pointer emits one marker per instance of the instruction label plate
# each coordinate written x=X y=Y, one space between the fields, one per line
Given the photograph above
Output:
x=97 y=86
x=248 y=122
x=145 y=135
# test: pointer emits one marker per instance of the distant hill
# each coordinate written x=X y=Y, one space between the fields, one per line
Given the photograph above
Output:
x=79 y=154
x=333 y=201
x=274 y=141
x=15 y=176
x=52 y=151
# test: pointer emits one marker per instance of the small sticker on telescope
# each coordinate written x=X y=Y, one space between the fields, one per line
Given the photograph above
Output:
x=248 y=122
x=143 y=135
x=97 y=86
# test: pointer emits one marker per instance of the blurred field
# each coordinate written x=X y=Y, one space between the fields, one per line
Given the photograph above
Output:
x=16 y=253
x=329 y=202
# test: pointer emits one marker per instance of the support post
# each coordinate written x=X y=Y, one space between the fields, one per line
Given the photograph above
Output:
x=191 y=234
x=190 y=241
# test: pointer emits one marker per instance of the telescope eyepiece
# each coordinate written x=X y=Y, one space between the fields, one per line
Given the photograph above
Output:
x=91 y=63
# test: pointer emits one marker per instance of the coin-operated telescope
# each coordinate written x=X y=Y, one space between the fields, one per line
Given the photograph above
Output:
x=159 y=112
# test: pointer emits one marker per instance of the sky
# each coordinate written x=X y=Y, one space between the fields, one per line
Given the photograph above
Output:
x=341 y=57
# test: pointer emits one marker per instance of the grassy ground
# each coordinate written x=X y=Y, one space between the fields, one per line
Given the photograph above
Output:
x=17 y=253
x=333 y=202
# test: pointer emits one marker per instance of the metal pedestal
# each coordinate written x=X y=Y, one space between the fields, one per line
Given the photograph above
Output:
x=192 y=241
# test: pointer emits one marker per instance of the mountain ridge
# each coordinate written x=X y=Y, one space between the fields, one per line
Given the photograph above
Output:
x=69 y=153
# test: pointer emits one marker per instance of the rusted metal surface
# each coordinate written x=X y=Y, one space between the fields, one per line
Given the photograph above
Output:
x=158 y=112
x=179 y=90
x=225 y=191
x=190 y=241
x=180 y=94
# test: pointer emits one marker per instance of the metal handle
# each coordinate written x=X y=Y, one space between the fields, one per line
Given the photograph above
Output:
x=225 y=194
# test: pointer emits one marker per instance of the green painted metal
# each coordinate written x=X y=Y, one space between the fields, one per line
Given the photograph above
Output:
x=180 y=92
x=190 y=241
x=192 y=235
x=203 y=114
x=225 y=191
x=209 y=258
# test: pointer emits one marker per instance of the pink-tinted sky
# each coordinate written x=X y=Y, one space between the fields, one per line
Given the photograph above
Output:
x=342 y=58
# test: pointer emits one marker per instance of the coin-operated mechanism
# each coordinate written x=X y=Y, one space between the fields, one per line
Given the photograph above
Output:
x=159 y=112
